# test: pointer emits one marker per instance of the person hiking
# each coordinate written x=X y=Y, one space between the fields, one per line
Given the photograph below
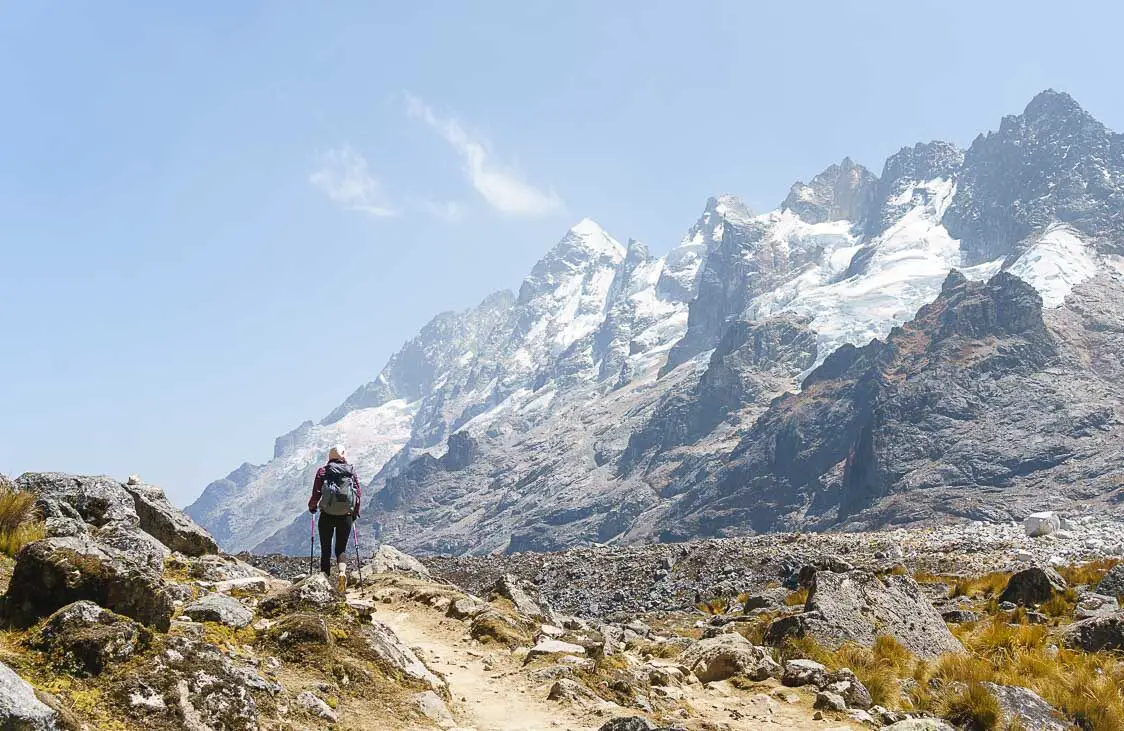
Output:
x=336 y=494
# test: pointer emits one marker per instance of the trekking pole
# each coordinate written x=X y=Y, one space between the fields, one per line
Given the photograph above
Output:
x=311 y=542
x=358 y=563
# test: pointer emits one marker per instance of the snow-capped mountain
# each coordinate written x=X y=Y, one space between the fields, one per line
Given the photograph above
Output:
x=620 y=396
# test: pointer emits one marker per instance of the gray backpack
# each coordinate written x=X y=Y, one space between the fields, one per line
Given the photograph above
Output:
x=338 y=495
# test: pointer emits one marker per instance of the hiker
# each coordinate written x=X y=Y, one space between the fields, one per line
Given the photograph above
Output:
x=335 y=493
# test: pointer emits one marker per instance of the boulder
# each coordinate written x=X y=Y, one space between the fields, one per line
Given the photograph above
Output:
x=798 y=673
x=219 y=567
x=382 y=645
x=389 y=560
x=571 y=691
x=84 y=638
x=1025 y=709
x=312 y=594
x=20 y=707
x=725 y=656
x=828 y=701
x=525 y=596
x=219 y=608
x=767 y=599
x=300 y=629
x=192 y=685
x=1096 y=605
x=628 y=723
x=495 y=626
x=466 y=607
x=960 y=616
x=170 y=526
x=1096 y=634
x=1033 y=586
x=554 y=647
x=313 y=704
x=97 y=500
x=430 y=705
x=859 y=606
x=133 y=542
x=1113 y=582
x=850 y=688
x=54 y=572
x=1042 y=524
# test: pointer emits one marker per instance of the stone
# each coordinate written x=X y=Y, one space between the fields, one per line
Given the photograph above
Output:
x=629 y=723
x=920 y=724
x=798 y=673
x=827 y=701
x=133 y=542
x=960 y=616
x=858 y=606
x=767 y=599
x=1091 y=604
x=84 y=638
x=520 y=594
x=844 y=683
x=1096 y=634
x=495 y=626
x=170 y=526
x=249 y=585
x=312 y=703
x=465 y=607
x=382 y=645
x=311 y=594
x=727 y=655
x=1113 y=582
x=300 y=628
x=20 y=707
x=54 y=572
x=389 y=560
x=570 y=691
x=554 y=647
x=218 y=568
x=1033 y=586
x=860 y=716
x=1023 y=708
x=219 y=608
x=194 y=686
x=1041 y=524
x=430 y=705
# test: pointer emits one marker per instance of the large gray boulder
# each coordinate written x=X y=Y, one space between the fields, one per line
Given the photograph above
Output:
x=526 y=598
x=85 y=638
x=389 y=560
x=219 y=567
x=859 y=606
x=1033 y=586
x=170 y=526
x=127 y=538
x=727 y=655
x=54 y=572
x=1023 y=708
x=219 y=608
x=97 y=500
x=1096 y=634
x=20 y=708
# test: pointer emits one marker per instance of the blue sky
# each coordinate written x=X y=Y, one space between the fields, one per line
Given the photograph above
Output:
x=197 y=199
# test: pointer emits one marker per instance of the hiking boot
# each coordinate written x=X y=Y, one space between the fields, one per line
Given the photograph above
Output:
x=341 y=579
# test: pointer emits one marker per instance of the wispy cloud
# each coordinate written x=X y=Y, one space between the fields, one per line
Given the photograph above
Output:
x=344 y=177
x=450 y=211
x=502 y=187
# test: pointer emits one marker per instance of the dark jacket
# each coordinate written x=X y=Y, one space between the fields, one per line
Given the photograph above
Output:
x=318 y=488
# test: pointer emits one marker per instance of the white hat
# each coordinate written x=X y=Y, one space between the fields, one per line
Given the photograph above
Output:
x=337 y=453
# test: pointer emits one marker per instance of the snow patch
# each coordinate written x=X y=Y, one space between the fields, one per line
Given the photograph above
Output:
x=1054 y=264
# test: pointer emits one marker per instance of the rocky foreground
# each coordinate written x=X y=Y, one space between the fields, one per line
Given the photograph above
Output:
x=124 y=616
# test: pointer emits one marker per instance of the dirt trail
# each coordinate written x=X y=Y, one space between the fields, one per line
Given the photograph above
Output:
x=490 y=694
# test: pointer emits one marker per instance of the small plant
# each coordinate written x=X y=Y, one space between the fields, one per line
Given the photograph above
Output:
x=797 y=598
x=973 y=708
x=987 y=586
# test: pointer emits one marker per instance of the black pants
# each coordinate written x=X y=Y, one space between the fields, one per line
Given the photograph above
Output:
x=329 y=524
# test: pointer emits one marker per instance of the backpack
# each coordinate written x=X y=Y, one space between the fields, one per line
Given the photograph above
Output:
x=338 y=494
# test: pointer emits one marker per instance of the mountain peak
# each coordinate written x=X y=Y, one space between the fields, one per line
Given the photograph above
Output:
x=1051 y=103
x=840 y=192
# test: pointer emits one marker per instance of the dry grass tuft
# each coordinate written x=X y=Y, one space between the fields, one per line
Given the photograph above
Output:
x=987 y=586
x=973 y=708
x=1088 y=574
x=797 y=598
x=20 y=523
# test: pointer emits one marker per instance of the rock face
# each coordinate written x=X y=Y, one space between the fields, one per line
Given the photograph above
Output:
x=167 y=524
x=1113 y=582
x=20 y=709
x=55 y=572
x=858 y=607
x=727 y=655
x=811 y=367
x=1033 y=586
x=85 y=638
x=387 y=649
